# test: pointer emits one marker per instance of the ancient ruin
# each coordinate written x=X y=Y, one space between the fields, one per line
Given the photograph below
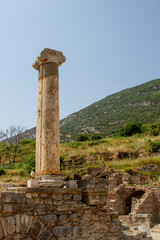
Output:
x=47 y=133
x=76 y=209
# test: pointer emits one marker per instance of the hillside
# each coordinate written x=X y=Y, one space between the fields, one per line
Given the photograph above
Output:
x=140 y=103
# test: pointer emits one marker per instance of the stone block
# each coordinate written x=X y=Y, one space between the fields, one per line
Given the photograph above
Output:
x=91 y=197
x=0 y=195
x=28 y=195
x=18 y=236
x=26 y=222
x=10 y=225
x=101 y=227
x=62 y=218
x=93 y=184
x=17 y=208
x=62 y=230
x=42 y=207
x=57 y=183
x=7 y=208
x=77 y=231
x=71 y=184
x=43 y=195
x=50 y=218
x=32 y=183
x=77 y=197
x=57 y=197
x=26 y=238
x=1 y=232
x=16 y=197
x=18 y=223
x=36 y=229
x=67 y=196
x=57 y=203
x=46 y=235
x=35 y=195
x=40 y=212
x=47 y=201
x=28 y=207
x=4 y=227
x=36 y=201
x=62 y=208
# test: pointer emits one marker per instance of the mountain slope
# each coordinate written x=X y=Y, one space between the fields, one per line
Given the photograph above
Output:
x=140 y=103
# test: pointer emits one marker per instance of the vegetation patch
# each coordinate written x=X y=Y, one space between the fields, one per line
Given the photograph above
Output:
x=30 y=163
x=134 y=163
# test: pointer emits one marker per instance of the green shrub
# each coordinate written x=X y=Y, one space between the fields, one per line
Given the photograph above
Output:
x=154 y=175
x=8 y=166
x=26 y=141
x=22 y=173
x=154 y=145
x=30 y=163
x=74 y=144
x=62 y=157
x=144 y=173
x=2 y=171
x=97 y=142
x=19 y=165
x=128 y=170
x=94 y=143
x=130 y=129
x=151 y=129
x=95 y=136
x=82 y=137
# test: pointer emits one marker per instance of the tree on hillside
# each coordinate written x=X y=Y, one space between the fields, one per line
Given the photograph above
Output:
x=82 y=137
x=18 y=130
x=10 y=139
x=96 y=136
x=5 y=136
x=130 y=129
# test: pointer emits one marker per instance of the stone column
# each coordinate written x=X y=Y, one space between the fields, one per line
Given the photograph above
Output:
x=47 y=135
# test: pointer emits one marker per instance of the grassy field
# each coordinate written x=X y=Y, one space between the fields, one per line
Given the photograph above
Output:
x=118 y=153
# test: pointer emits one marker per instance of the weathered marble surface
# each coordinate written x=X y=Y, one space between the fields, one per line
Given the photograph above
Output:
x=47 y=135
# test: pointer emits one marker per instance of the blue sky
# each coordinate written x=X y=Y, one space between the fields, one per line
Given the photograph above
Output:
x=109 y=45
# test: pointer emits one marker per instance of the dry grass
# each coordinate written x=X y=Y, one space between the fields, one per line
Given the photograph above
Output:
x=78 y=157
x=135 y=163
x=95 y=155
x=13 y=178
x=111 y=144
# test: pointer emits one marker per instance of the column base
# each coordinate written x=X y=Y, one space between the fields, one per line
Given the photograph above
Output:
x=46 y=181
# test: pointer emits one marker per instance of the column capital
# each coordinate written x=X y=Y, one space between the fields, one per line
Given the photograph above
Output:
x=49 y=55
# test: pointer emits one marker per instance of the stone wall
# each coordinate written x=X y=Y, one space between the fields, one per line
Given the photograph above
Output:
x=157 y=204
x=120 y=199
x=54 y=214
x=149 y=204
x=115 y=201
x=146 y=205
x=57 y=214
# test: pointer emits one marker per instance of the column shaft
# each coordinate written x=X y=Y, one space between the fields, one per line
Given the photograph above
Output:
x=39 y=127
x=47 y=135
x=47 y=148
